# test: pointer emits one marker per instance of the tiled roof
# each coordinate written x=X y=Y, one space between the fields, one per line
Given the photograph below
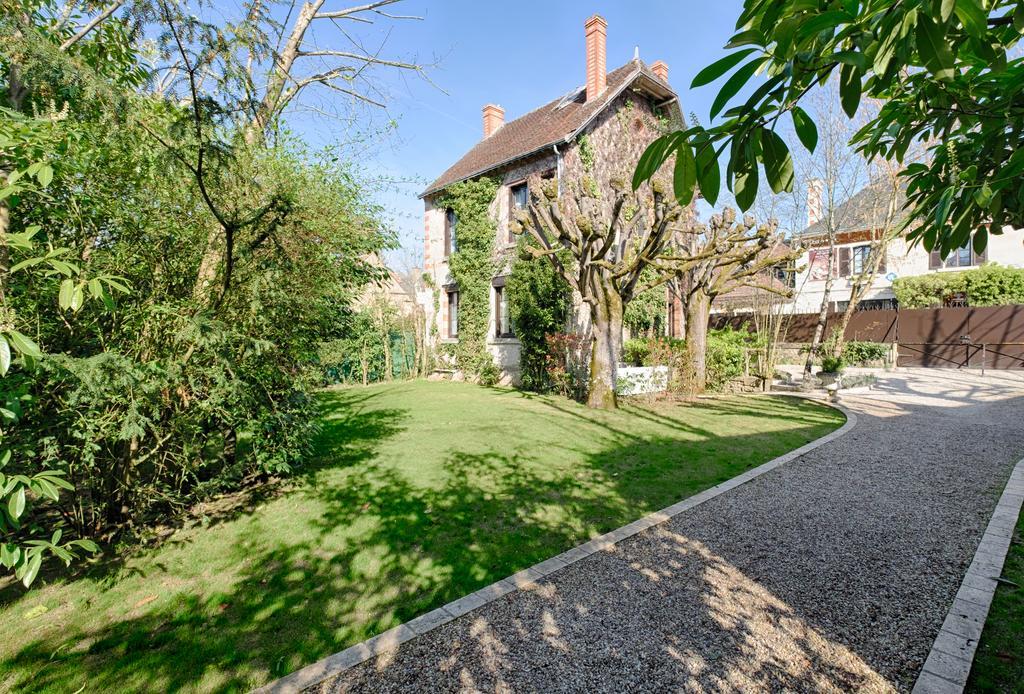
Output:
x=538 y=130
x=866 y=210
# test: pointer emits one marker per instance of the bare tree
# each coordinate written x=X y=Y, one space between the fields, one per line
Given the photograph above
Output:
x=884 y=217
x=837 y=171
x=249 y=73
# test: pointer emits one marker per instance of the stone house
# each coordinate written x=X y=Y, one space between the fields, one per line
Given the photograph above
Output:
x=602 y=126
x=857 y=223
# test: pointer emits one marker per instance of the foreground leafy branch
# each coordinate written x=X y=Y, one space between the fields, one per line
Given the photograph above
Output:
x=945 y=70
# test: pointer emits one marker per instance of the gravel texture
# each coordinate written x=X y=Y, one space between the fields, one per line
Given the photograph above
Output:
x=833 y=572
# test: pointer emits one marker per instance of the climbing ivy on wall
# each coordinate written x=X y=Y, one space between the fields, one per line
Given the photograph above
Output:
x=539 y=301
x=472 y=266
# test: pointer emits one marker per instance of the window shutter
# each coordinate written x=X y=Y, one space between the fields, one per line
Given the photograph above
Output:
x=844 y=261
x=881 y=263
x=934 y=260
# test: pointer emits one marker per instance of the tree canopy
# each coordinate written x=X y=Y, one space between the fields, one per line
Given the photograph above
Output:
x=948 y=71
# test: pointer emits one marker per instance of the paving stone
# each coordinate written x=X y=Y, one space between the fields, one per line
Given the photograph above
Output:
x=930 y=683
x=948 y=666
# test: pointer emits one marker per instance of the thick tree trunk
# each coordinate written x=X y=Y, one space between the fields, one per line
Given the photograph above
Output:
x=698 y=307
x=606 y=326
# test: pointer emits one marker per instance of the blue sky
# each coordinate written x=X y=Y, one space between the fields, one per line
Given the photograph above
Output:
x=519 y=55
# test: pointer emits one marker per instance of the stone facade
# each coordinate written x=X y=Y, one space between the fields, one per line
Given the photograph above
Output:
x=616 y=137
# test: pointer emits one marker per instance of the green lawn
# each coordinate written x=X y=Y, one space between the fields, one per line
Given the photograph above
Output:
x=423 y=492
x=999 y=662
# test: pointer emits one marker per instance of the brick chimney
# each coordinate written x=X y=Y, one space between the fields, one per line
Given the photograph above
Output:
x=494 y=118
x=815 y=189
x=660 y=70
x=597 y=74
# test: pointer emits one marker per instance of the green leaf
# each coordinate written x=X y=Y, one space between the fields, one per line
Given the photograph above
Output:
x=650 y=161
x=823 y=21
x=946 y=9
x=933 y=49
x=745 y=38
x=16 y=503
x=23 y=345
x=973 y=16
x=95 y=289
x=87 y=545
x=778 y=164
x=1018 y=17
x=805 y=128
x=32 y=570
x=734 y=84
x=849 y=89
x=942 y=209
x=5 y=356
x=77 y=299
x=44 y=175
x=67 y=291
x=718 y=68
x=709 y=176
x=980 y=240
x=684 y=176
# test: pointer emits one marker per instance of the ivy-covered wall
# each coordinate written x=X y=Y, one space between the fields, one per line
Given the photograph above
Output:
x=471 y=268
x=609 y=147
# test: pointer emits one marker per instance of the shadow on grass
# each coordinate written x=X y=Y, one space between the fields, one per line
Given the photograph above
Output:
x=413 y=547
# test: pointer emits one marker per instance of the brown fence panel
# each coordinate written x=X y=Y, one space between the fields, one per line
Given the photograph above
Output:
x=930 y=337
x=962 y=337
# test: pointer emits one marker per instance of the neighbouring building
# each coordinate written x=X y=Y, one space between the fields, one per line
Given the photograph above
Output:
x=611 y=112
x=858 y=221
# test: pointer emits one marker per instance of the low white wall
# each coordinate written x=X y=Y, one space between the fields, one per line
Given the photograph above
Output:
x=637 y=380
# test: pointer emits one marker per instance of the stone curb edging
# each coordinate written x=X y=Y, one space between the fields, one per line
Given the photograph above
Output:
x=949 y=663
x=335 y=664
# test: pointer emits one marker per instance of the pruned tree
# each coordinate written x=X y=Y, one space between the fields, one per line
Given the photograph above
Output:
x=612 y=236
x=714 y=258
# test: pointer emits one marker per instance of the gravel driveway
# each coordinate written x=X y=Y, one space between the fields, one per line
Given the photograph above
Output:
x=833 y=572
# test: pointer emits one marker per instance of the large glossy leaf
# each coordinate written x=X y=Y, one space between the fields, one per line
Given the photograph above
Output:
x=16 y=503
x=23 y=344
x=684 y=177
x=5 y=356
x=849 y=89
x=718 y=68
x=778 y=164
x=734 y=84
x=651 y=160
x=709 y=176
x=933 y=49
x=805 y=128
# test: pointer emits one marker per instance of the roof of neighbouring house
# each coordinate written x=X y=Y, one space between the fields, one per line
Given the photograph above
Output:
x=551 y=124
x=867 y=209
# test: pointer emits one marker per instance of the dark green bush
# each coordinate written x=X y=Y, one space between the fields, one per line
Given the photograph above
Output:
x=636 y=351
x=856 y=352
x=831 y=365
x=989 y=285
